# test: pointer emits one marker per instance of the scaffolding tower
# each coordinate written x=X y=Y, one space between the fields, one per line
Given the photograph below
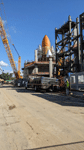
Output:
x=67 y=48
x=82 y=40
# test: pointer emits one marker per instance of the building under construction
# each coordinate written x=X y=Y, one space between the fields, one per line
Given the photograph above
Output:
x=69 y=44
x=44 y=62
x=68 y=55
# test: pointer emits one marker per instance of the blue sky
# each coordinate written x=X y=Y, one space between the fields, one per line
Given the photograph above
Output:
x=29 y=20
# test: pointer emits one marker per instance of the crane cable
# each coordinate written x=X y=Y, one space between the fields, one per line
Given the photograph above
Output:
x=16 y=50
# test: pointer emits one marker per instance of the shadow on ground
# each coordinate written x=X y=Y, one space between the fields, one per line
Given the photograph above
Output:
x=59 y=145
x=55 y=97
x=18 y=89
x=61 y=99
x=6 y=86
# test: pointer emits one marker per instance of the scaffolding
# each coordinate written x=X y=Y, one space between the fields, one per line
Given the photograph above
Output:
x=82 y=40
x=67 y=48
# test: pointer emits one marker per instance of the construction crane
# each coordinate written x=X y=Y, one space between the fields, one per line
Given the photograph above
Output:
x=8 y=51
x=19 y=61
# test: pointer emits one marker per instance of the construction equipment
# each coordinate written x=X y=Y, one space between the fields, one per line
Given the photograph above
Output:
x=70 y=49
x=19 y=61
x=41 y=83
x=1 y=80
x=8 y=51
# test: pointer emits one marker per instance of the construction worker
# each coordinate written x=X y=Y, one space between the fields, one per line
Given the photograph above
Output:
x=67 y=87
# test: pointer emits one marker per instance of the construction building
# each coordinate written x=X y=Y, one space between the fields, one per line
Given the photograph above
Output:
x=44 y=62
x=69 y=44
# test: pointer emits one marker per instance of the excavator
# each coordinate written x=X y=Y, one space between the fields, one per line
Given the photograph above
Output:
x=8 y=51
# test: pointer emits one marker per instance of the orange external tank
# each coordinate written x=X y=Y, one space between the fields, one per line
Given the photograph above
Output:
x=45 y=45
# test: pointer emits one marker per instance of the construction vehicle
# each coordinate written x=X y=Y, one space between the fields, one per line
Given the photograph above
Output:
x=1 y=80
x=8 y=51
x=19 y=62
x=41 y=83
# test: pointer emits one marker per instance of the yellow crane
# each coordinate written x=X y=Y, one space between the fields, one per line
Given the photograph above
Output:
x=19 y=61
x=8 y=51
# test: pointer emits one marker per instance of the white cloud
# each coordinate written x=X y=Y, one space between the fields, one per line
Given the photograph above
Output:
x=11 y=71
x=8 y=71
x=3 y=64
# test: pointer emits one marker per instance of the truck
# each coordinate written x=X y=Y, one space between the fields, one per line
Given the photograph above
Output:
x=41 y=83
x=20 y=82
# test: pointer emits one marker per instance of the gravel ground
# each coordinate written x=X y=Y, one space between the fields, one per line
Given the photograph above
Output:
x=33 y=121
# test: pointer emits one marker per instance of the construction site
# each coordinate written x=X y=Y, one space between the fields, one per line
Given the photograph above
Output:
x=66 y=58
x=44 y=61
x=44 y=107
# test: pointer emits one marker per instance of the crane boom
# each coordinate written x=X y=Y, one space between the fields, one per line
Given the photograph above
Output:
x=19 y=61
x=7 y=48
x=19 y=66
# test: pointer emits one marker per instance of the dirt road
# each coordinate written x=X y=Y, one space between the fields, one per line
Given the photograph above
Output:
x=40 y=121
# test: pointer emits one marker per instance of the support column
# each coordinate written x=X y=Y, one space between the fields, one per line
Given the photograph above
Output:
x=78 y=45
x=27 y=73
x=63 y=54
x=70 y=39
x=56 y=51
x=50 y=68
x=36 y=57
x=81 y=38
